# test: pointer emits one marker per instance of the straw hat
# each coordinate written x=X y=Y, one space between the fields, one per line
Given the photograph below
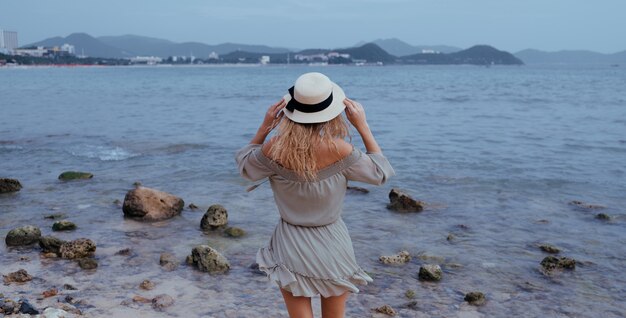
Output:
x=314 y=99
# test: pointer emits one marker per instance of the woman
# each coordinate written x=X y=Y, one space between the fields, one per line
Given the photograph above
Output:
x=308 y=164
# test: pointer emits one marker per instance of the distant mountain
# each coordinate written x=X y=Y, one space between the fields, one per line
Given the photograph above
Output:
x=134 y=45
x=370 y=52
x=83 y=42
x=141 y=45
x=532 y=56
x=400 y=48
x=476 y=55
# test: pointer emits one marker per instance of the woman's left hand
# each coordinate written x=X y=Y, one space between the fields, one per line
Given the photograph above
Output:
x=273 y=116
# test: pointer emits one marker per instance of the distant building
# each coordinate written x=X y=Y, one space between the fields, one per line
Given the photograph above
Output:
x=8 y=41
x=150 y=60
x=68 y=48
x=428 y=51
x=39 y=51
x=265 y=59
x=214 y=56
x=337 y=54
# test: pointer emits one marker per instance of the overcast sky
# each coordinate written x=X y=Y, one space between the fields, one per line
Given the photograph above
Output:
x=509 y=25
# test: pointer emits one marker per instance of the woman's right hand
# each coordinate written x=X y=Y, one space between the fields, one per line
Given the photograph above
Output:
x=355 y=114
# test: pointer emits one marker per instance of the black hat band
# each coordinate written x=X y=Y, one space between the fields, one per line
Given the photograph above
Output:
x=308 y=108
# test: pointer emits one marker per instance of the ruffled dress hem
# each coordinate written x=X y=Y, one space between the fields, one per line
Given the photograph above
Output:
x=300 y=284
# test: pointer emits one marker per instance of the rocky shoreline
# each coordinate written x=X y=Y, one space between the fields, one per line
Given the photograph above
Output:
x=149 y=205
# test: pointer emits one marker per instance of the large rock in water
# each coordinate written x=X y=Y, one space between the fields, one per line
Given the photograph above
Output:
x=206 y=259
x=430 y=272
x=151 y=205
x=215 y=217
x=402 y=202
x=78 y=248
x=50 y=244
x=9 y=185
x=21 y=236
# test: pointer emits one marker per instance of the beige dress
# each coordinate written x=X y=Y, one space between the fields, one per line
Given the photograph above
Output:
x=310 y=251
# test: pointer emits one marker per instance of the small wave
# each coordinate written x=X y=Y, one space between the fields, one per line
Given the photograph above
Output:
x=104 y=153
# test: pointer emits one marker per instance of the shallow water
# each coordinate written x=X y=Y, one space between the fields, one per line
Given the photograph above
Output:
x=497 y=152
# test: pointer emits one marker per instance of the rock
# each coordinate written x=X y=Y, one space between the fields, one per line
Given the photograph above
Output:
x=234 y=232
x=20 y=276
x=50 y=292
x=400 y=258
x=410 y=305
x=27 y=308
x=603 y=216
x=409 y=294
x=549 y=248
x=54 y=216
x=141 y=299
x=192 y=206
x=151 y=205
x=63 y=226
x=254 y=267
x=430 y=272
x=7 y=306
x=54 y=313
x=586 y=206
x=22 y=236
x=87 y=263
x=74 y=175
x=124 y=252
x=137 y=184
x=402 y=202
x=550 y=264
x=147 y=285
x=162 y=301
x=475 y=298
x=206 y=259
x=216 y=216
x=387 y=310
x=69 y=287
x=168 y=261
x=450 y=237
x=79 y=248
x=357 y=190
x=9 y=185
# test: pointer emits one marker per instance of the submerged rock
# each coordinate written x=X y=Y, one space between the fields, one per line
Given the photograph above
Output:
x=603 y=216
x=409 y=294
x=254 y=267
x=357 y=190
x=151 y=205
x=7 y=306
x=549 y=248
x=550 y=264
x=206 y=259
x=9 y=185
x=54 y=216
x=55 y=313
x=192 y=206
x=586 y=206
x=79 y=248
x=63 y=226
x=215 y=217
x=402 y=202
x=22 y=236
x=50 y=244
x=74 y=175
x=147 y=285
x=20 y=276
x=475 y=298
x=124 y=252
x=430 y=272
x=234 y=232
x=400 y=258
x=162 y=301
x=50 y=292
x=87 y=263
x=168 y=261
x=387 y=310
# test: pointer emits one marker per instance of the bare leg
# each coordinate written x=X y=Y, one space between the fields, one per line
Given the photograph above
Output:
x=298 y=307
x=335 y=306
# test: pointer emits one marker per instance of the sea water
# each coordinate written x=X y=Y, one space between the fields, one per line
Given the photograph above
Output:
x=496 y=153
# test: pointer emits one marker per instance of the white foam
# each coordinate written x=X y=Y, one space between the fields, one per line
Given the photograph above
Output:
x=104 y=153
